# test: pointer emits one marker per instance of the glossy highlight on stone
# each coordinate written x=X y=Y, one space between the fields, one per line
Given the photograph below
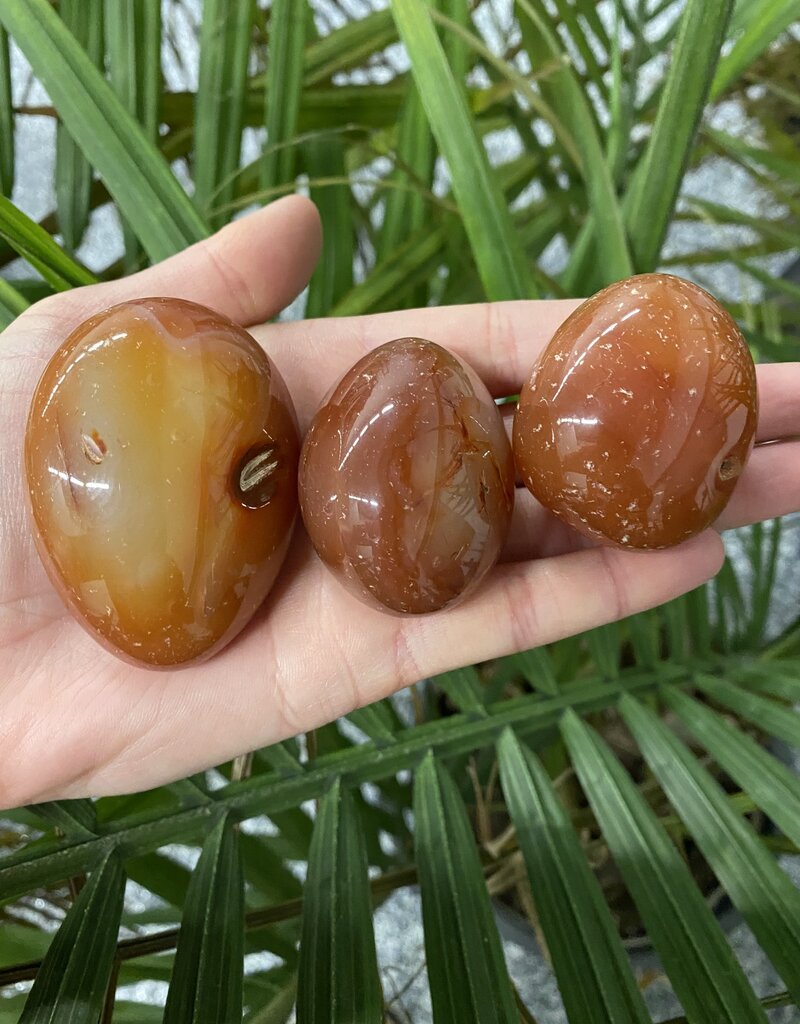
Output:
x=161 y=457
x=640 y=414
x=407 y=479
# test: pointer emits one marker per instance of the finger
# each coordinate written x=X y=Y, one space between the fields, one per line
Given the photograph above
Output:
x=528 y=604
x=536 y=533
x=500 y=340
x=768 y=488
x=779 y=400
x=248 y=271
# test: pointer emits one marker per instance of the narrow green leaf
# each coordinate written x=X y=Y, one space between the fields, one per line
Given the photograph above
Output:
x=405 y=209
x=333 y=277
x=536 y=667
x=338 y=974
x=161 y=875
x=12 y=303
x=466 y=969
x=266 y=870
x=399 y=270
x=762 y=22
x=457 y=12
x=777 y=720
x=284 y=88
x=84 y=19
x=644 y=633
x=570 y=103
x=502 y=264
x=582 y=43
x=463 y=688
x=133 y=44
x=73 y=817
x=375 y=720
x=32 y=242
x=772 y=282
x=70 y=987
x=219 y=107
x=349 y=46
x=134 y=171
x=278 y=1006
x=677 y=628
x=699 y=618
x=282 y=758
x=594 y=976
x=778 y=679
x=704 y=974
x=604 y=646
x=776 y=163
x=771 y=784
x=6 y=118
x=654 y=189
x=206 y=984
x=763 y=893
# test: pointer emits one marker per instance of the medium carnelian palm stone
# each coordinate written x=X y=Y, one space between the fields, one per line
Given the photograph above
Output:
x=640 y=414
x=161 y=456
x=407 y=479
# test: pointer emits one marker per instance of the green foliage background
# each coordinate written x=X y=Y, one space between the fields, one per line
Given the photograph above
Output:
x=640 y=742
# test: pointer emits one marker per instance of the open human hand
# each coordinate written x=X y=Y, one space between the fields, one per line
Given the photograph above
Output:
x=76 y=721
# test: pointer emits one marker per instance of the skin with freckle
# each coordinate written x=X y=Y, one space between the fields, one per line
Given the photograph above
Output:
x=407 y=480
x=640 y=414
x=161 y=457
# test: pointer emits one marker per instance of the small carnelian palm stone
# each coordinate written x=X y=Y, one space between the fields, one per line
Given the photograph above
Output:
x=407 y=479
x=161 y=456
x=640 y=414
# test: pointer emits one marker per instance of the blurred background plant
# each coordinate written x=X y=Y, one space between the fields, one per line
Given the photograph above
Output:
x=600 y=804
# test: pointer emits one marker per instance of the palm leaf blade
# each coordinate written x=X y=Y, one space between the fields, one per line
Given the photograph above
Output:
x=75 y=817
x=70 y=987
x=338 y=974
x=133 y=45
x=765 y=21
x=700 y=964
x=219 y=106
x=466 y=970
x=502 y=264
x=763 y=893
x=595 y=979
x=651 y=199
x=12 y=303
x=6 y=118
x=284 y=89
x=134 y=172
x=206 y=983
x=777 y=720
x=771 y=784
x=34 y=244
x=84 y=19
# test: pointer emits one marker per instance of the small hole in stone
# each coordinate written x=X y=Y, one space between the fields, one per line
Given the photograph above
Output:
x=94 y=447
x=730 y=468
x=254 y=482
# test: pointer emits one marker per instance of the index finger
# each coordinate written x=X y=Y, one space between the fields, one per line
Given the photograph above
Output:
x=500 y=340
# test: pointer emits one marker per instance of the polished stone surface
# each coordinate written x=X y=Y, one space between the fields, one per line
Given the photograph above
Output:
x=640 y=414
x=161 y=456
x=406 y=478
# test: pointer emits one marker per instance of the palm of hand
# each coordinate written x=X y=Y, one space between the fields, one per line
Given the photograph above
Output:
x=75 y=720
